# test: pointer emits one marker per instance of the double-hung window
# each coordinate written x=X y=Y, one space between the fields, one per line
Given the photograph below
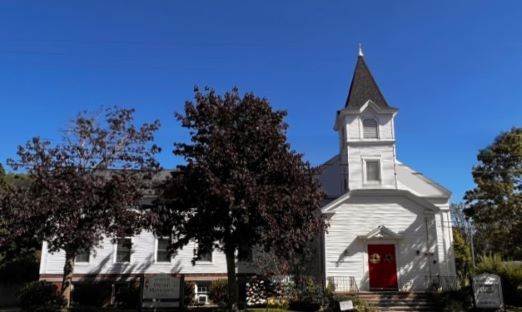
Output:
x=162 y=252
x=82 y=256
x=123 y=250
x=373 y=171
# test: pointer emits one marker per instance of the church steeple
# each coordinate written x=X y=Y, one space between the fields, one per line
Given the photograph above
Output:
x=367 y=133
x=364 y=87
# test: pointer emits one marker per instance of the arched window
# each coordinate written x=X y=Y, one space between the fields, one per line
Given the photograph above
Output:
x=370 y=129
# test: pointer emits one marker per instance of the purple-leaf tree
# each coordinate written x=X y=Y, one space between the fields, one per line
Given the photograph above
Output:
x=84 y=189
x=241 y=186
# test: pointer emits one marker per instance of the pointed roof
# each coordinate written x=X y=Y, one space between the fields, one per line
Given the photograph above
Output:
x=364 y=87
x=381 y=232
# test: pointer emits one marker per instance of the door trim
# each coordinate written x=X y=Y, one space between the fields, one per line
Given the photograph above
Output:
x=366 y=268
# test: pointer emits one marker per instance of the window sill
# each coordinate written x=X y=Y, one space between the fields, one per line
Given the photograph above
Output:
x=372 y=185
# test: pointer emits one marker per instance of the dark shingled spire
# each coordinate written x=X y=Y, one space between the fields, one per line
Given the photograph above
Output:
x=364 y=87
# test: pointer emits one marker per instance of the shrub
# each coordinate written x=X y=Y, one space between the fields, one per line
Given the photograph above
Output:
x=127 y=295
x=277 y=303
x=333 y=302
x=510 y=275
x=309 y=295
x=281 y=288
x=84 y=309
x=22 y=270
x=309 y=290
x=298 y=305
x=38 y=295
x=463 y=262
x=218 y=292
x=454 y=306
x=456 y=300
x=256 y=291
x=96 y=294
x=273 y=292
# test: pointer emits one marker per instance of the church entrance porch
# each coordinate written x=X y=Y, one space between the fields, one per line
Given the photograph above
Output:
x=382 y=267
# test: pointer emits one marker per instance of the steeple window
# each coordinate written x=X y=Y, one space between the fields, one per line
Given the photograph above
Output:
x=370 y=129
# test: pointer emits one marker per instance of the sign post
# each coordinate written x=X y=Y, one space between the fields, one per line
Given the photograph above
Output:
x=162 y=291
x=487 y=291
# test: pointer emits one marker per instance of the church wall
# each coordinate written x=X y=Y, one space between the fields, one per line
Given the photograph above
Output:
x=142 y=260
x=445 y=254
x=346 y=254
x=357 y=155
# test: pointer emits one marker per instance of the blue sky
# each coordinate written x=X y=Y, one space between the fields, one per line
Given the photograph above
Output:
x=453 y=68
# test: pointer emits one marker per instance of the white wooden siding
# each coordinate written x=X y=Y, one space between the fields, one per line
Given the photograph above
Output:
x=356 y=157
x=346 y=255
x=354 y=126
x=142 y=260
x=446 y=255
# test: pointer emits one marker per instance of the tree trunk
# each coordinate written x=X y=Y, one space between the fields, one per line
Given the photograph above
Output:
x=232 y=281
x=67 y=277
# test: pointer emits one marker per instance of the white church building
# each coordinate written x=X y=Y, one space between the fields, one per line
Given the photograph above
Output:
x=389 y=226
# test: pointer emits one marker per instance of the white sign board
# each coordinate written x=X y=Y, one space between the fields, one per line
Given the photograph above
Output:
x=161 y=286
x=346 y=305
x=487 y=291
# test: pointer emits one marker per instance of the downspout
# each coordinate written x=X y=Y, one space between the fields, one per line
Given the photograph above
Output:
x=394 y=152
x=428 y=253
x=395 y=167
x=323 y=264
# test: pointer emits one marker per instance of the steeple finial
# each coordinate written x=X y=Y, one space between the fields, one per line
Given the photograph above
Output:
x=360 y=50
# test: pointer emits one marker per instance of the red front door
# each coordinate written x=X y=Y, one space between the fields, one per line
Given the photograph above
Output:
x=382 y=267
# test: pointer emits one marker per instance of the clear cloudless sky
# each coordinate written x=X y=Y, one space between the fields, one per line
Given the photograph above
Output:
x=453 y=68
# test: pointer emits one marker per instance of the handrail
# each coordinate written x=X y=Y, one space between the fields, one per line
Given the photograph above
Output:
x=346 y=284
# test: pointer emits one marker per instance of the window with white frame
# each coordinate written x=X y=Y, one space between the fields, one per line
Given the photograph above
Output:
x=123 y=250
x=370 y=128
x=82 y=256
x=373 y=170
x=162 y=252
x=202 y=289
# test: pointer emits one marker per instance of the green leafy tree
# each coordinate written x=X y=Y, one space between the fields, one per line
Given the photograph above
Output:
x=74 y=196
x=495 y=204
x=3 y=230
x=463 y=260
x=18 y=257
x=459 y=219
x=3 y=182
x=241 y=185
x=462 y=231
x=510 y=273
